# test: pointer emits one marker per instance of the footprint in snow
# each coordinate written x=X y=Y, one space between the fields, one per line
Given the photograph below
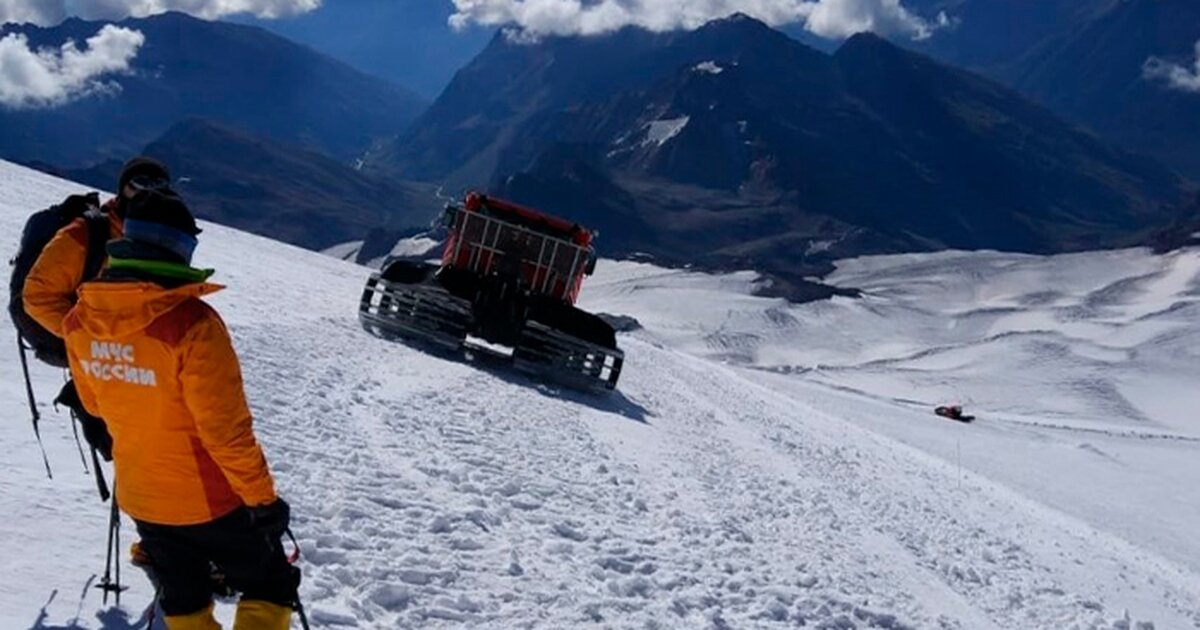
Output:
x=570 y=532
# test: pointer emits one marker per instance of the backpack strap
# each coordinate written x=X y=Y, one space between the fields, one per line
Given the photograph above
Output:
x=99 y=232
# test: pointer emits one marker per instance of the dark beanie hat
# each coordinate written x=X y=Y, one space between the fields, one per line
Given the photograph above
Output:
x=141 y=166
x=160 y=219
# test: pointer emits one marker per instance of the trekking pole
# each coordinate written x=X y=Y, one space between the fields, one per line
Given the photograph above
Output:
x=75 y=406
x=300 y=611
x=293 y=559
x=33 y=405
x=74 y=418
x=78 y=444
x=101 y=485
x=107 y=584
x=106 y=581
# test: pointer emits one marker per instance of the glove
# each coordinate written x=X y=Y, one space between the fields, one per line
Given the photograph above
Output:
x=94 y=429
x=271 y=519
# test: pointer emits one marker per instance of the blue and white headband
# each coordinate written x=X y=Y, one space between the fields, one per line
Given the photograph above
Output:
x=175 y=241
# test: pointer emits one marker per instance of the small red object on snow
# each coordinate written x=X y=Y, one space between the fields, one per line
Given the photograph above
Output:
x=953 y=412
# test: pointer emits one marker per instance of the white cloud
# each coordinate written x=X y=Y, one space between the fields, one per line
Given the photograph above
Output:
x=52 y=77
x=35 y=11
x=51 y=12
x=1177 y=76
x=843 y=18
x=828 y=18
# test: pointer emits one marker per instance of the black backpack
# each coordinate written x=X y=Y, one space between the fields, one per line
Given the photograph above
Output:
x=46 y=346
x=39 y=230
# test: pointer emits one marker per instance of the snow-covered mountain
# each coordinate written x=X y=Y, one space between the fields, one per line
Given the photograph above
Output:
x=1087 y=60
x=763 y=465
x=736 y=146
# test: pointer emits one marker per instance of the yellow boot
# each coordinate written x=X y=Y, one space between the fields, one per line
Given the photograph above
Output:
x=255 y=614
x=202 y=620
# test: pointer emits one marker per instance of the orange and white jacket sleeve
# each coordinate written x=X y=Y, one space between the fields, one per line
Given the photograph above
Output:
x=211 y=380
x=49 y=292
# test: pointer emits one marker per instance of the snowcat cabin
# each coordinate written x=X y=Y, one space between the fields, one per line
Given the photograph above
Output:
x=490 y=236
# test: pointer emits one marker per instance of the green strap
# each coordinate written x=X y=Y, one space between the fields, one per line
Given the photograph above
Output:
x=162 y=269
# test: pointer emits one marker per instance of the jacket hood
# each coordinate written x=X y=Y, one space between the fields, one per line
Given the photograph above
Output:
x=112 y=310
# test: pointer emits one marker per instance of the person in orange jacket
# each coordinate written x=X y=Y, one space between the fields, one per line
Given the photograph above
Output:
x=51 y=285
x=158 y=365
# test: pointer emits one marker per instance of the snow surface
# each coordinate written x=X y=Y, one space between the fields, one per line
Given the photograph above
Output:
x=344 y=251
x=1083 y=367
x=655 y=133
x=727 y=484
x=660 y=132
x=417 y=247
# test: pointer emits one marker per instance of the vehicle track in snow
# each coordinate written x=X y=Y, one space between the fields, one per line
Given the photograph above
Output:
x=870 y=492
x=511 y=506
x=435 y=493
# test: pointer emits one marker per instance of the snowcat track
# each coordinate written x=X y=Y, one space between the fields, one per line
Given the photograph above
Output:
x=419 y=312
x=429 y=314
x=567 y=360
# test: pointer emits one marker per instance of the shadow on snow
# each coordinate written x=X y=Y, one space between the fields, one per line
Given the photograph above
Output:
x=110 y=619
x=614 y=402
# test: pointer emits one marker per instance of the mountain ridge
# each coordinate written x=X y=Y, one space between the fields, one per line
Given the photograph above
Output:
x=1085 y=60
x=241 y=75
x=735 y=140
x=288 y=193
x=1097 y=75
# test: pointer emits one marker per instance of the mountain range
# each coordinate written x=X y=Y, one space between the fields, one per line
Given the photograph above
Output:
x=237 y=75
x=737 y=144
x=731 y=145
x=993 y=36
x=270 y=188
x=1082 y=58
x=1086 y=60
x=1100 y=76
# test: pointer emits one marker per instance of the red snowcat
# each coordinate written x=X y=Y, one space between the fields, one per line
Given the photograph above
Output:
x=506 y=286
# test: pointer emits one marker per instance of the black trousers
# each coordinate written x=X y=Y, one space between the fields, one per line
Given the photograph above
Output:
x=252 y=564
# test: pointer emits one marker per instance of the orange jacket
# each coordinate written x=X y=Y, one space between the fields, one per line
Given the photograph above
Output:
x=159 y=367
x=51 y=285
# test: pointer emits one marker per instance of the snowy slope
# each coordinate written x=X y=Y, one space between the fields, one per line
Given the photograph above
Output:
x=430 y=493
x=1084 y=367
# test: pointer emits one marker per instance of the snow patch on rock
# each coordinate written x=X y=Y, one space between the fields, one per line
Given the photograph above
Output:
x=661 y=132
x=417 y=246
x=344 y=251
